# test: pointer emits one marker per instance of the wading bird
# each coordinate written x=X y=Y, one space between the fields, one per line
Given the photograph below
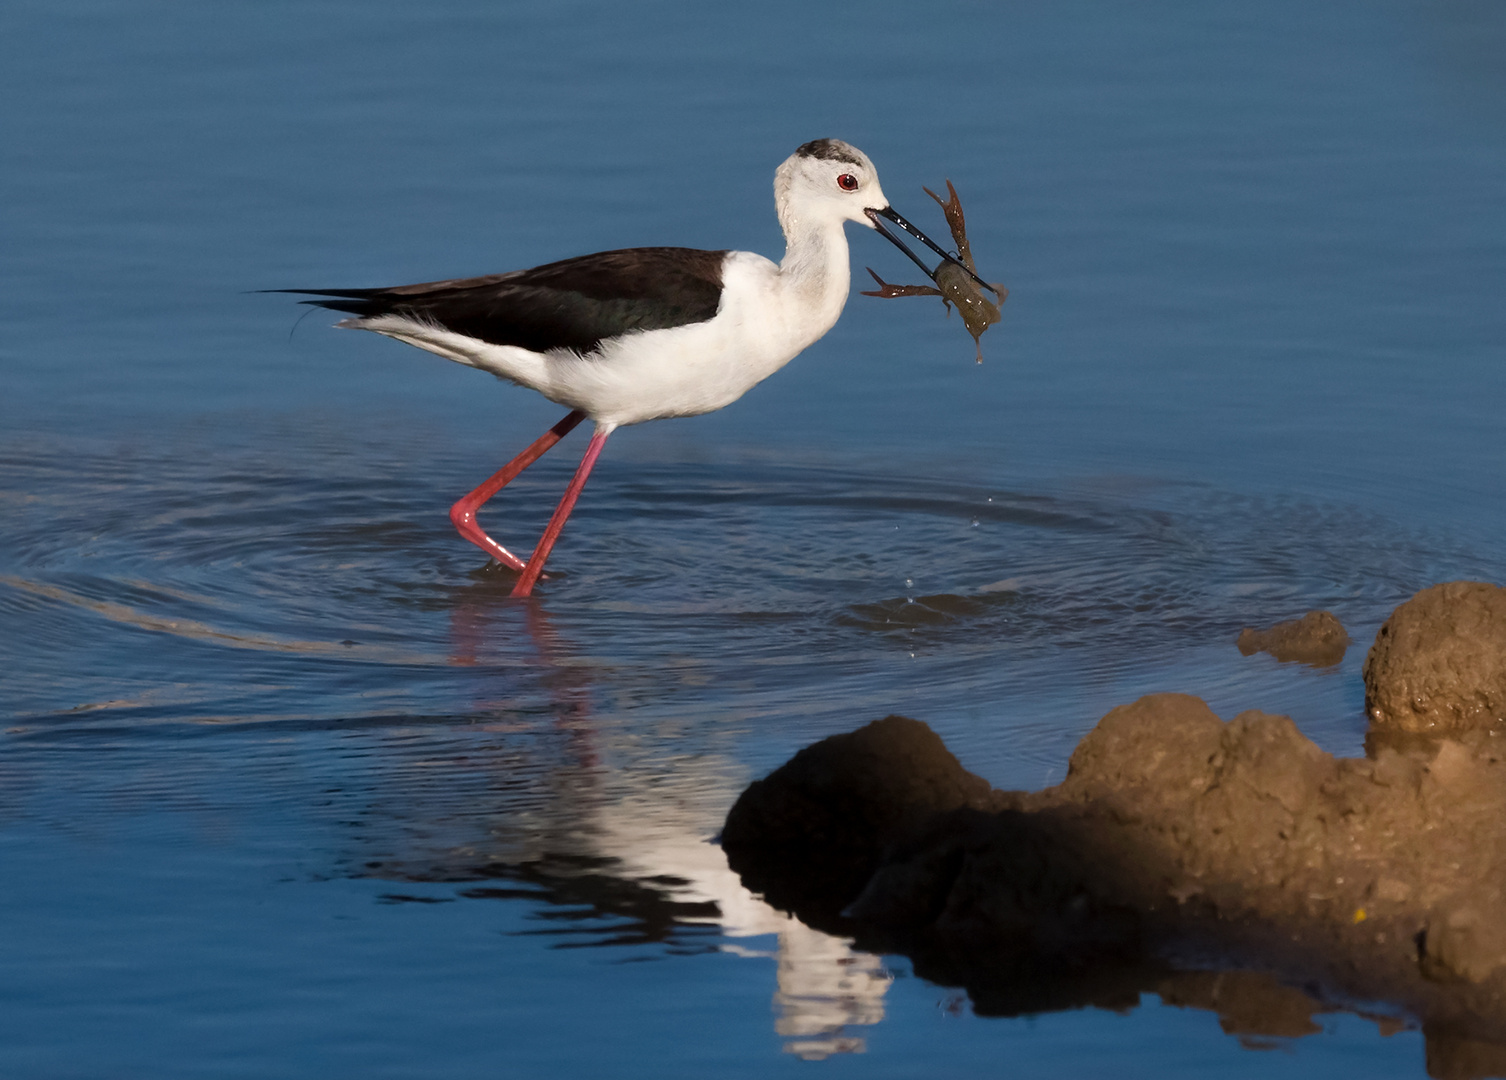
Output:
x=645 y=333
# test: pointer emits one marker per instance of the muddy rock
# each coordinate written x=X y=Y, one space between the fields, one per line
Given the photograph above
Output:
x=1154 y=755
x=1239 y=844
x=1438 y=664
x=1318 y=639
x=1463 y=944
x=833 y=809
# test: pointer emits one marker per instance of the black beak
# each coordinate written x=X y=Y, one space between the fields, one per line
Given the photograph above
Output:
x=893 y=215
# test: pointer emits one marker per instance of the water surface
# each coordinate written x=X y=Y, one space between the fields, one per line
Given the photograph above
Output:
x=289 y=787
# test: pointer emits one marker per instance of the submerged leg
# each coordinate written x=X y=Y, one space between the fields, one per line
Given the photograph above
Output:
x=535 y=565
x=463 y=513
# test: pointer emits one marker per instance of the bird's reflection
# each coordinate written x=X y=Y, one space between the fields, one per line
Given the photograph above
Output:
x=623 y=854
x=483 y=617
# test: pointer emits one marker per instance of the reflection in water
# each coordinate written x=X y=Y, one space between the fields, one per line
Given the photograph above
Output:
x=646 y=870
x=825 y=988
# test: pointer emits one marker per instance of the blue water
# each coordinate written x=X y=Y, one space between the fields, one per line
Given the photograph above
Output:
x=289 y=788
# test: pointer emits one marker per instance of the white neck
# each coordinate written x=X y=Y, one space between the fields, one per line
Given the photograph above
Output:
x=814 y=275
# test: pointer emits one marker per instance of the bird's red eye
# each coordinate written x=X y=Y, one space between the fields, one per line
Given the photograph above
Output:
x=847 y=182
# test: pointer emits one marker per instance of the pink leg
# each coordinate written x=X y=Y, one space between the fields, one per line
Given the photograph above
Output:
x=535 y=565
x=463 y=513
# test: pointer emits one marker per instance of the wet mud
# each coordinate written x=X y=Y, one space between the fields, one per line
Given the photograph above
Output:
x=1225 y=865
x=1317 y=639
x=1439 y=663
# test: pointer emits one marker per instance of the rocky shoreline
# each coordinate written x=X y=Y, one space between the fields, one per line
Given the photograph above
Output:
x=1227 y=865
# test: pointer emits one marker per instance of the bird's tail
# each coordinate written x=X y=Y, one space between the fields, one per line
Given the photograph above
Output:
x=364 y=302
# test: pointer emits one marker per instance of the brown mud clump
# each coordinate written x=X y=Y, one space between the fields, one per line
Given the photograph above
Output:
x=1318 y=639
x=826 y=817
x=1178 y=842
x=1438 y=665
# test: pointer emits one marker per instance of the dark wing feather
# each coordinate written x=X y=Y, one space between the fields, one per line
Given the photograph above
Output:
x=572 y=304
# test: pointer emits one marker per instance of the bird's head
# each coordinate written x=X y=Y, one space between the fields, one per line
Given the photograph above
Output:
x=830 y=181
x=824 y=181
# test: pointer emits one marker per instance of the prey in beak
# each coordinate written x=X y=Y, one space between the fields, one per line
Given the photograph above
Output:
x=956 y=276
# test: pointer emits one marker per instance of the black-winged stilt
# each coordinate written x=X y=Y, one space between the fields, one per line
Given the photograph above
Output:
x=641 y=334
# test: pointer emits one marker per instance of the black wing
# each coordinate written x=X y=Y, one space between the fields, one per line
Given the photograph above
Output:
x=572 y=304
